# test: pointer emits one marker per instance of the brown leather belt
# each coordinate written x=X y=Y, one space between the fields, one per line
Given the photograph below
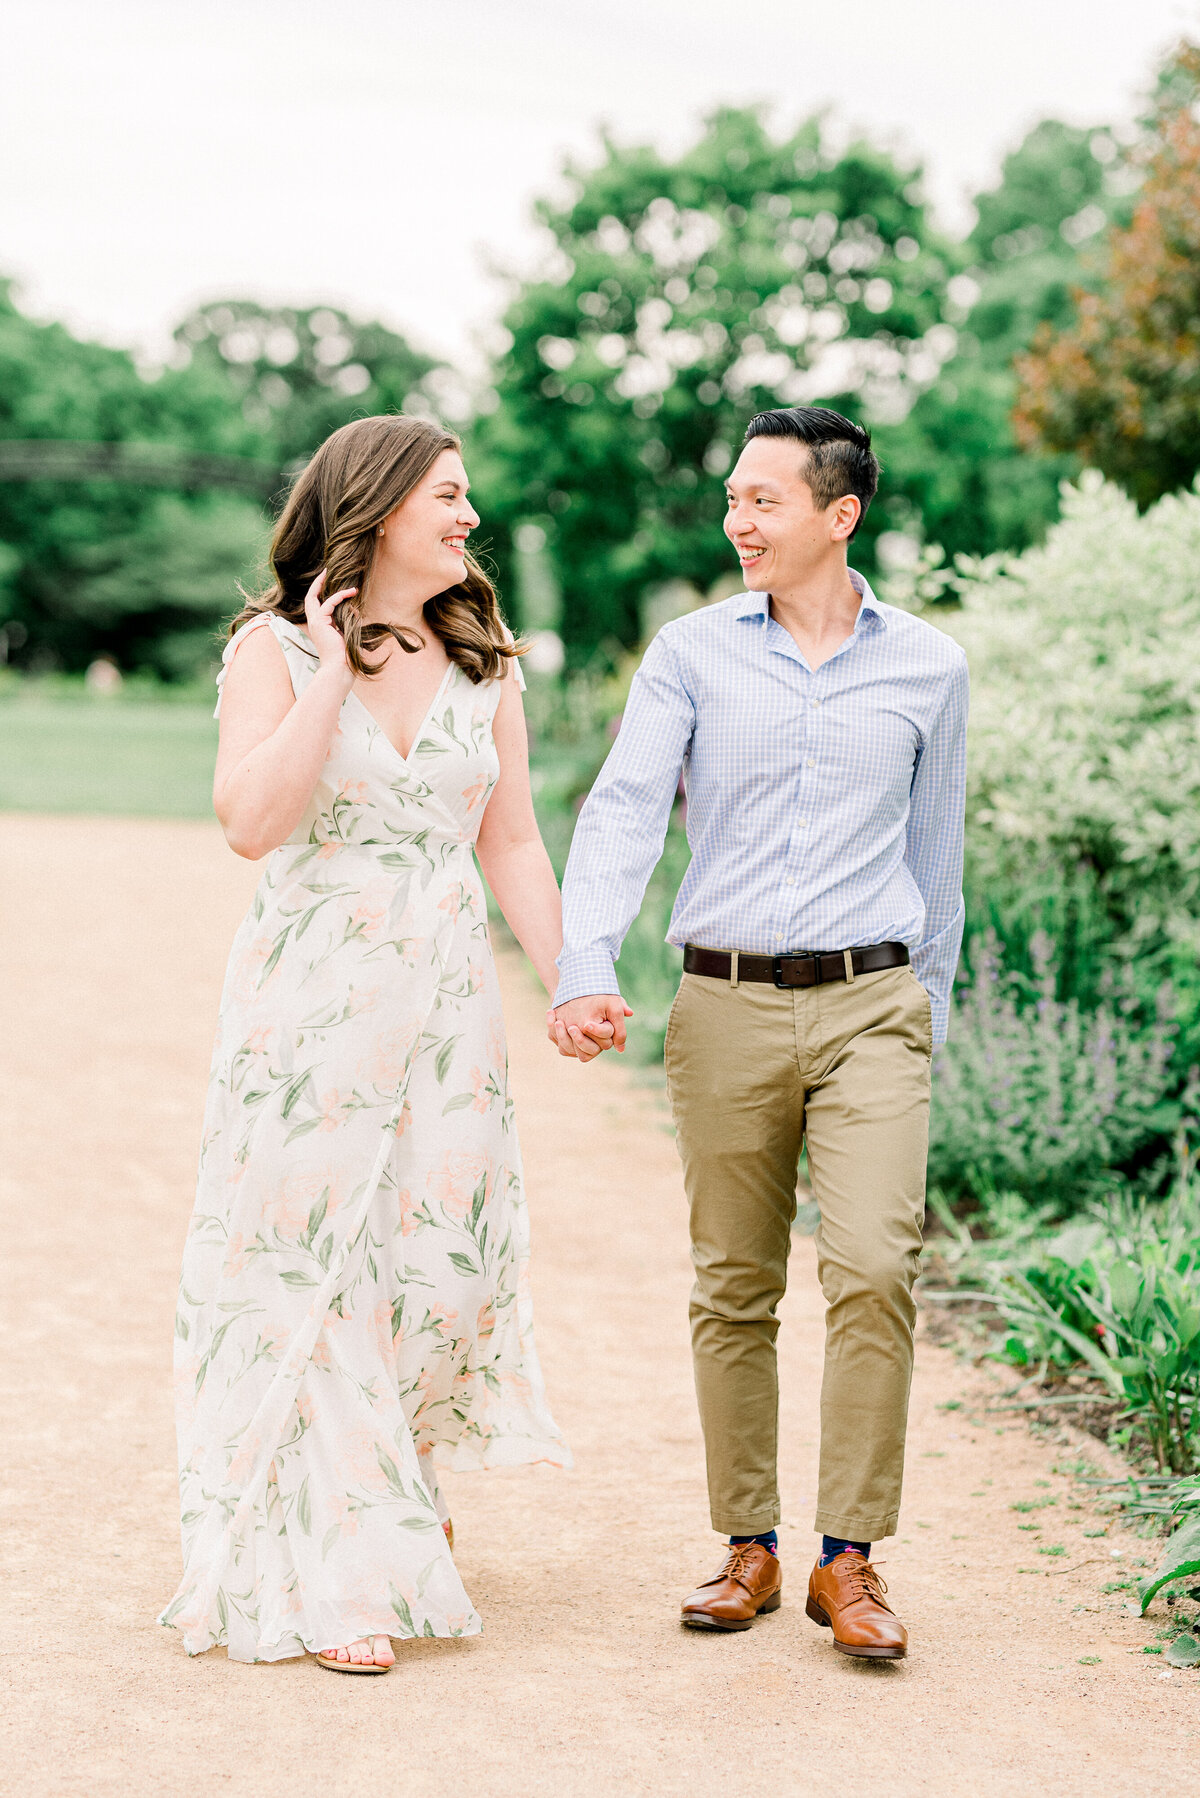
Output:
x=794 y=970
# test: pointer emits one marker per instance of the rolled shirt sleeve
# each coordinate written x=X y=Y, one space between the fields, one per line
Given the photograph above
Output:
x=934 y=846
x=622 y=826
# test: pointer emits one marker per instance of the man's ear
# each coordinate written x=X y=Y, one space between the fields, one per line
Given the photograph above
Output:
x=846 y=513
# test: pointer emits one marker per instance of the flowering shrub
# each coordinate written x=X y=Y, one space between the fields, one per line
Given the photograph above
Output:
x=1037 y=1094
x=1085 y=668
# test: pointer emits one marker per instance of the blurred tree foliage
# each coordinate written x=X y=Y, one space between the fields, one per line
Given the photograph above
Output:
x=58 y=539
x=146 y=572
x=681 y=297
x=1118 y=382
x=956 y=457
x=299 y=373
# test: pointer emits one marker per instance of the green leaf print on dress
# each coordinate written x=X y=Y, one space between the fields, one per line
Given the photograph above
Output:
x=355 y=1297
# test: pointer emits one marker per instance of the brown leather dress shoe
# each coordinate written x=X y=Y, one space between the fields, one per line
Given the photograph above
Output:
x=847 y=1597
x=748 y=1583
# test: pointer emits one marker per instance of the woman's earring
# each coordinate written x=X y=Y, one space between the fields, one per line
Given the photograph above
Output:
x=380 y=531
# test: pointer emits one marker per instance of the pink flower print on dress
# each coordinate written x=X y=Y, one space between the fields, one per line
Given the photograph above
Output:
x=408 y=1212
x=321 y=1356
x=332 y=1108
x=477 y=792
x=370 y=913
x=442 y=1318
x=451 y=902
x=424 y=1387
x=259 y=1041
x=241 y=1463
x=246 y=975
x=485 y=1323
x=327 y=851
x=343 y=1514
x=454 y=1184
x=358 y=1461
x=381 y=1326
x=287 y=1211
x=237 y=1256
x=384 y=1067
x=272 y=1340
x=483 y=1090
x=304 y=1410
x=353 y=790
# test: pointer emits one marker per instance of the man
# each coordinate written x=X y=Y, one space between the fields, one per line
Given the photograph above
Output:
x=822 y=738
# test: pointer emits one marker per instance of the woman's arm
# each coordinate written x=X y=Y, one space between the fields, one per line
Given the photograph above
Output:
x=273 y=745
x=510 y=848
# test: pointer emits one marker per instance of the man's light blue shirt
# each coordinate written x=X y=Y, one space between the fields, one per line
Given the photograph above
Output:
x=825 y=806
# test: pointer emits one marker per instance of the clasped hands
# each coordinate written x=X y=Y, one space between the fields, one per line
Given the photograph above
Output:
x=583 y=1028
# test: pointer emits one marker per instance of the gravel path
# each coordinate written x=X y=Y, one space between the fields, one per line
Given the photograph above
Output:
x=1021 y=1678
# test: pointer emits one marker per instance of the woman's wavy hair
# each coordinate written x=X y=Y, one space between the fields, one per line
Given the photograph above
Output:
x=330 y=520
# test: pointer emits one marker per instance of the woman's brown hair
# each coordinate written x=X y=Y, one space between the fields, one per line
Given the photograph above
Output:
x=330 y=520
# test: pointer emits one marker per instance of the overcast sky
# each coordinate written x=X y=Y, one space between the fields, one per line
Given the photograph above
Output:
x=382 y=154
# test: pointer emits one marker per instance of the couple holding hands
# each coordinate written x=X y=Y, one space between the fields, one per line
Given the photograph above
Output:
x=354 y=1309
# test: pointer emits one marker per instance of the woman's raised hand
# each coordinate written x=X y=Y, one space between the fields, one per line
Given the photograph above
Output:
x=327 y=639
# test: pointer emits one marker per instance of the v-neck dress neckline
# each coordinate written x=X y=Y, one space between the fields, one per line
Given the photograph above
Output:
x=422 y=727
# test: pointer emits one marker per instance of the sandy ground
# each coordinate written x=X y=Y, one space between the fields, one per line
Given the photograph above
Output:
x=113 y=947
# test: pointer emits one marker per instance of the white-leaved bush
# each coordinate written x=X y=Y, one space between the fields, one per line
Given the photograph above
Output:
x=1085 y=701
x=1084 y=762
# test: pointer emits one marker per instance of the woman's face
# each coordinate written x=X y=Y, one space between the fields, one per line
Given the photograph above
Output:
x=424 y=540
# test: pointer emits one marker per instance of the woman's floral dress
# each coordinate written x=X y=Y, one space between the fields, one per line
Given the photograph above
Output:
x=354 y=1301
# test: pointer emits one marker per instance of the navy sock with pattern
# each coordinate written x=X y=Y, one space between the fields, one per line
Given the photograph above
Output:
x=768 y=1539
x=837 y=1545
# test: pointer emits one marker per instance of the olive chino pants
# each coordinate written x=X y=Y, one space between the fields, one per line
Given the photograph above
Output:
x=755 y=1072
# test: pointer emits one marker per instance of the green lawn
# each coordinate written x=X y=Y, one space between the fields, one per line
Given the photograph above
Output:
x=144 y=757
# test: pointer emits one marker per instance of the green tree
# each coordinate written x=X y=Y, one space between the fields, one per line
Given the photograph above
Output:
x=956 y=456
x=57 y=536
x=297 y=373
x=680 y=298
x=1118 y=383
x=143 y=565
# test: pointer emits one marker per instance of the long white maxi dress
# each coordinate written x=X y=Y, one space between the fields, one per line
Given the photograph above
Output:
x=354 y=1301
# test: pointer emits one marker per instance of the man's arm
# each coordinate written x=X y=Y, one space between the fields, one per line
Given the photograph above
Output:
x=934 y=852
x=619 y=836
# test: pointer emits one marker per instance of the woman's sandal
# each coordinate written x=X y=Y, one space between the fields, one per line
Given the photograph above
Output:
x=331 y=1661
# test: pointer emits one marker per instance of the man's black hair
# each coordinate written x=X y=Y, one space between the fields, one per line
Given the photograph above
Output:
x=840 y=457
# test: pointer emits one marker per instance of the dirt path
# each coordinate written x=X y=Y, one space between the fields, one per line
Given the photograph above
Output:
x=113 y=949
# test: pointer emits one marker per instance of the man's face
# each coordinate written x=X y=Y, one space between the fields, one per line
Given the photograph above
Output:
x=770 y=518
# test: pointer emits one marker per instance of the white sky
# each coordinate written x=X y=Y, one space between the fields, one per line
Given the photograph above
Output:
x=382 y=154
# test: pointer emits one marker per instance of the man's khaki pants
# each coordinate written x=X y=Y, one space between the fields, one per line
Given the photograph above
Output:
x=754 y=1072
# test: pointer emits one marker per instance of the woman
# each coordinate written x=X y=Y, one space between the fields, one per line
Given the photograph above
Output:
x=354 y=1301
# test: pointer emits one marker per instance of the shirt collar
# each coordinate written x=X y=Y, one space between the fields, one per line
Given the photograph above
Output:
x=870 y=613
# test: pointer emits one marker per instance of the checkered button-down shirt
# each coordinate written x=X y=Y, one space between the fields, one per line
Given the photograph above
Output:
x=825 y=806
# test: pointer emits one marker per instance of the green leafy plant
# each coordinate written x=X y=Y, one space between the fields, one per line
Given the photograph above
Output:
x=1181 y=1561
x=1120 y=1297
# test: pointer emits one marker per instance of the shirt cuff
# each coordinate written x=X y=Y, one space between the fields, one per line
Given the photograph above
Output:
x=580 y=975
x=939 y=1013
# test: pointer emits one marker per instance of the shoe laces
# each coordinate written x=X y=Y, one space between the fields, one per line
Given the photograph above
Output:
x=863 y=1579
x=737 y=1562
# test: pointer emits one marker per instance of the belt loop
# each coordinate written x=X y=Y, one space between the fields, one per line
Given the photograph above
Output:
x=733 y=967
x=849 y=961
